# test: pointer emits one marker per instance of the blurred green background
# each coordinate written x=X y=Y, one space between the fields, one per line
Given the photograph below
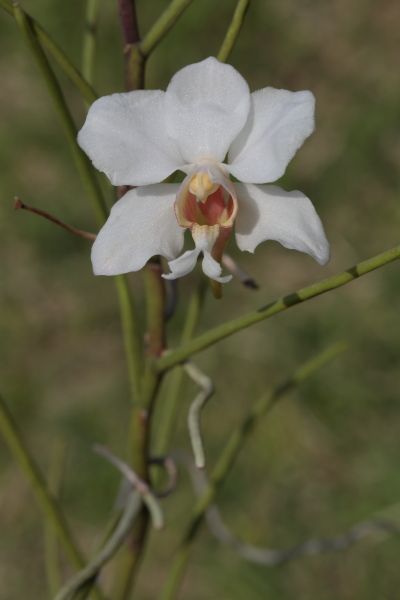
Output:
x=326 y=457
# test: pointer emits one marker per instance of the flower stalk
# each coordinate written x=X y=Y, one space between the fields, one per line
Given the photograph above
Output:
x=155 y=341
x=233 y=30
x=169 y=405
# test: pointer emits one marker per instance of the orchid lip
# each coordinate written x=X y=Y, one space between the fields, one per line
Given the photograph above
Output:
x=206 y=198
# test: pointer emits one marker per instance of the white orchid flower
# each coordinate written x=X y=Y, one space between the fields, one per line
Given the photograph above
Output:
x=208 y=125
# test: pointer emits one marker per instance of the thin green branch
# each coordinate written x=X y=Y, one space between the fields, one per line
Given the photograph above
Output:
x=163 y=24
x=170 y=402
x=86 y=576
x=89 y=40
x=86 y=172
x=58 y=54
x=139 y=438
x=265 y=312
x=155 y=308
x=51 y=548
x=131 y=334
x=227 y=457
x=233 y=30
x=46 y=501
x=129 y=320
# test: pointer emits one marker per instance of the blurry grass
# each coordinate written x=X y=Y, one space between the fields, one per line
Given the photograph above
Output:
x=328 y=456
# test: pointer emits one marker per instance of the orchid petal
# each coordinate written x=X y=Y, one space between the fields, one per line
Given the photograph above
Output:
x=182 y=265
x=207 y=105
x=213 y=269
x=125 y=136
x=279 y=122
x=267 y=212
x=141 y=225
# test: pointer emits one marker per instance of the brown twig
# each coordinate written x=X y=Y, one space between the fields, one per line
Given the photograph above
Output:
x=237 y=271
x=18 y=204
x=128 y=19
x=133 y=57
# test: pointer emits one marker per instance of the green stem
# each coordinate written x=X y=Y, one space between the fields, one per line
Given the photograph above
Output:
x=227 y=457
x=131 y=554
x=155 y=303
x=89 y=40
x=86 y=172
x=46 y=501
x=140 y=435
x=128 y=317
x=132 y=336
x=170 y=402
x=233 y=30
x=265 y=312
x=58 y=54
x=163 y=24
x=50 y=539
x=134 y=68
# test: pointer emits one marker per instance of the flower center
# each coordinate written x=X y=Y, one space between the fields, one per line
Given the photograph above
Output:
x=205 y=202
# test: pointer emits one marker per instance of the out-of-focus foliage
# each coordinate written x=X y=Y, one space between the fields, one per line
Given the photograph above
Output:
x=327 y=457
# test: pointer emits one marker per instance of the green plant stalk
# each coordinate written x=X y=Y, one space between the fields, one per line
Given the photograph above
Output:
x=135 y=64
x=131 y=334
x=161 y=27
x=85 y=170
x=170 y=402
x=227 y=329
x=85 y=89
x=129 y=320
x=51 y=549
x=155 y=304
x=89 y=40
x=228 y=455
x=131 y=555
x=233 y=30
x=46 y=501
